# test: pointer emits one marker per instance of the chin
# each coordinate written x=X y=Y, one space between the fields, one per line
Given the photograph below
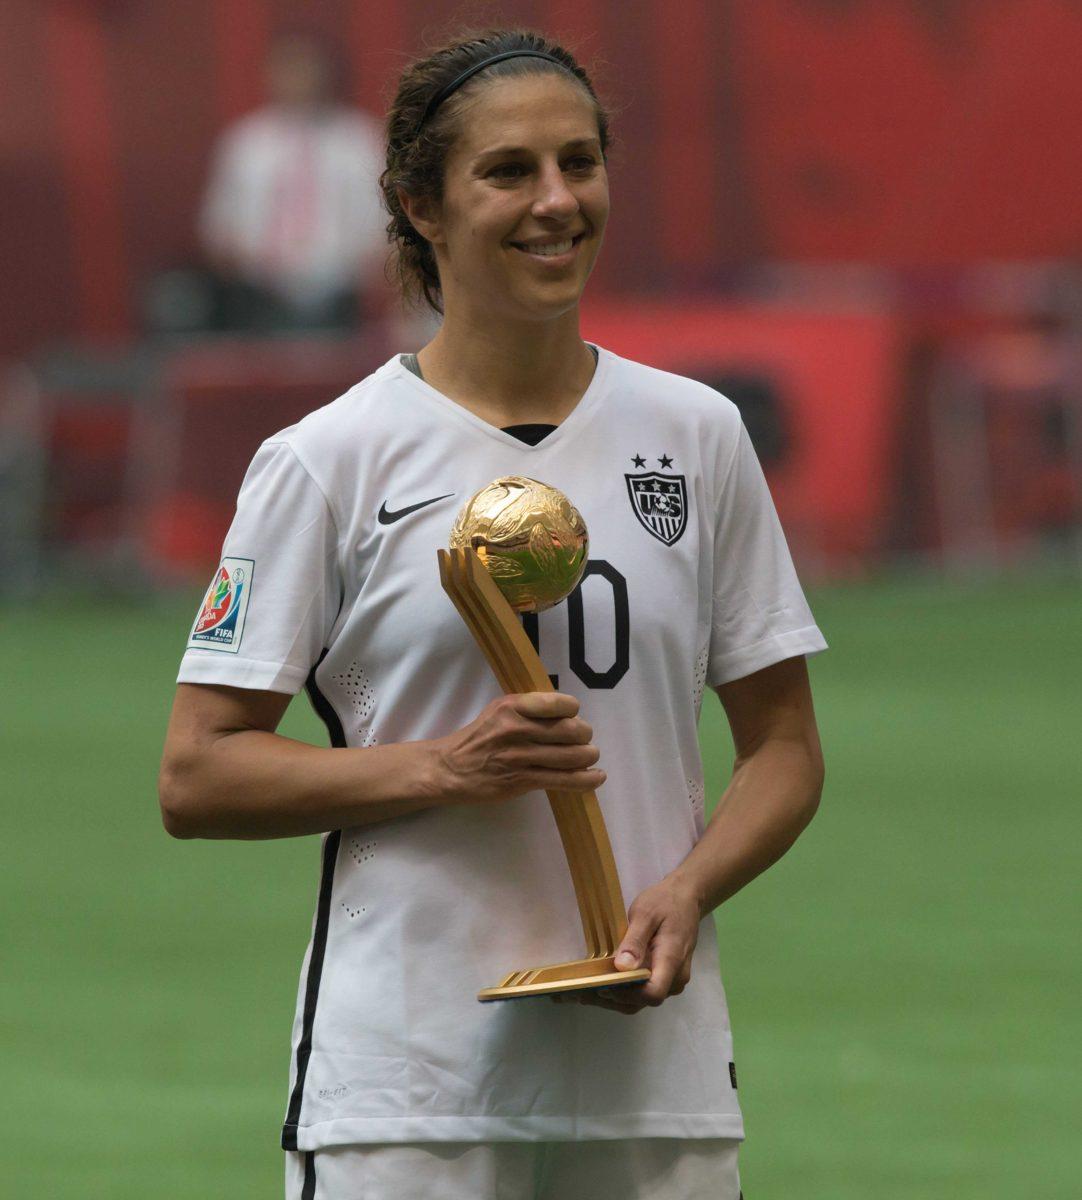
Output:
x=548 y=306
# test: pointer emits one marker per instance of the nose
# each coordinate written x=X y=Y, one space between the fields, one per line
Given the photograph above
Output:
x=554 y=198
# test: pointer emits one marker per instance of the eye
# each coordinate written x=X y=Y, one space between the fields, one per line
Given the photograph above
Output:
x=509 y=170
x=581 y=163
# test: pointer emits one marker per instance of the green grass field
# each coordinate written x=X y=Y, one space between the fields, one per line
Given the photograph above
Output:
x=902 y=985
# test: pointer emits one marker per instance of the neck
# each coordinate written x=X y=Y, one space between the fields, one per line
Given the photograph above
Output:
x=510 y=374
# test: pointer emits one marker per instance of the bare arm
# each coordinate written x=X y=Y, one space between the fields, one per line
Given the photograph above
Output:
x=226 y=773
x=773 y=794
x=775 y=787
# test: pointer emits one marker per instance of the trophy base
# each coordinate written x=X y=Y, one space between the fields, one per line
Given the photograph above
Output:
x=575 y=976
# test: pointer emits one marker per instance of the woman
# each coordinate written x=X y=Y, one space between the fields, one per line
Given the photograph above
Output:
x=445 y=870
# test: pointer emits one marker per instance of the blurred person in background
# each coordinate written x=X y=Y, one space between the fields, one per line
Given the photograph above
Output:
x=291 y=223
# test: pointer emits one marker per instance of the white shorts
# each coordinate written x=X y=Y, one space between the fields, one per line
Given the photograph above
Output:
x=633 y=1169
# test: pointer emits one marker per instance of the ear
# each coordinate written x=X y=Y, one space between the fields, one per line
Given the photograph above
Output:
x=424 y=215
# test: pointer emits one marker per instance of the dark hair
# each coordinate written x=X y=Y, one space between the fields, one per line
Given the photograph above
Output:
x=417 y=148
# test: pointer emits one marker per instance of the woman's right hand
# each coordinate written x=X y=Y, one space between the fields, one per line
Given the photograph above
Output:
x=518 y=743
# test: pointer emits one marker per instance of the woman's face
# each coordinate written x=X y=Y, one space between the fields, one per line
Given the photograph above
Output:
x=525 y=201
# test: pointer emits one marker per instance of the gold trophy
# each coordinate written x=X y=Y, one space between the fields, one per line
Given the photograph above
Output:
x=520 y=546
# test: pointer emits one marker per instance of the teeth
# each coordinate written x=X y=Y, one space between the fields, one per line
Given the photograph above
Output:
x=550 y=249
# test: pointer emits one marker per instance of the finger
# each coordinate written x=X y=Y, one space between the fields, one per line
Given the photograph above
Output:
x=565 y=781
x=632 y=951
x=552 y=758
x=570 y=731
x=610 y=1000
x=617 y=999
x=683 y=978
x=665 y=964
x=546 y=705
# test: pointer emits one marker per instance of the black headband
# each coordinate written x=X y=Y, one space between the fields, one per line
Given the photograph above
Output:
x=455 y=84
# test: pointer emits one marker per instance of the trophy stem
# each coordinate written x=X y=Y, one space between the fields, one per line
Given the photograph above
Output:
x=517 y=667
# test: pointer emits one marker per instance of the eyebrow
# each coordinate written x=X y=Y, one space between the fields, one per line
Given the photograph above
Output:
x=498 y=151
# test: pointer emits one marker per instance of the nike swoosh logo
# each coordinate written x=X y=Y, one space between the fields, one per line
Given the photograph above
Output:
x=386 y=517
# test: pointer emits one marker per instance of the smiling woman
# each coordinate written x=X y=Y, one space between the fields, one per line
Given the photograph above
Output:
x=442 y=867
x=523 y=208
x=432 y=111
x=498 y=193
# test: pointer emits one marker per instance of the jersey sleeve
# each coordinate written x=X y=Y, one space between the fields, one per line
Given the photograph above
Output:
x=276 y=594
x=759 y=614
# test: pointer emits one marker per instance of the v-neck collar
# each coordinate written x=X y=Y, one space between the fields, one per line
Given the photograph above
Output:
x=574 y=419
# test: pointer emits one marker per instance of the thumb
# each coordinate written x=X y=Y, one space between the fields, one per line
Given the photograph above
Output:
x=629 y=955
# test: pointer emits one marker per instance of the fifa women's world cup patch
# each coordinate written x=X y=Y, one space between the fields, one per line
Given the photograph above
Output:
x=220 y=623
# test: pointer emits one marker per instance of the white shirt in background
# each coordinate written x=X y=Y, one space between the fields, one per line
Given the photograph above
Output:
x=294 y=201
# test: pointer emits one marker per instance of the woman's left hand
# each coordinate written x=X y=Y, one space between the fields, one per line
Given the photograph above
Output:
x=663 y=927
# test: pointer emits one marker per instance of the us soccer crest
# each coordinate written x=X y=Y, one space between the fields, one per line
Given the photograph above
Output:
x=661 y=504
x=220 y=623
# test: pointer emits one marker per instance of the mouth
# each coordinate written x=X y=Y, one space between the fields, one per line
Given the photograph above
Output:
x=553 y=251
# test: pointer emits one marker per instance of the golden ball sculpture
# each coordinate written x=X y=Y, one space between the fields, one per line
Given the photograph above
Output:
x=530 y=537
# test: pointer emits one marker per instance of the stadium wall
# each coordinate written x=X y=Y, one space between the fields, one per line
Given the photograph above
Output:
x=903 y=132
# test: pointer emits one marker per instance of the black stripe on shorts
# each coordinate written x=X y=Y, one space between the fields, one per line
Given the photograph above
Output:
x=308 y=1192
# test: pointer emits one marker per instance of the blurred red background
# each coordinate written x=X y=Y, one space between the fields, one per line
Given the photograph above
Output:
x=914 y=134
x=905 y=170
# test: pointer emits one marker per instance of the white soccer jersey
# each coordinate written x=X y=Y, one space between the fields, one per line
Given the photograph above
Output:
x=689 y=583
